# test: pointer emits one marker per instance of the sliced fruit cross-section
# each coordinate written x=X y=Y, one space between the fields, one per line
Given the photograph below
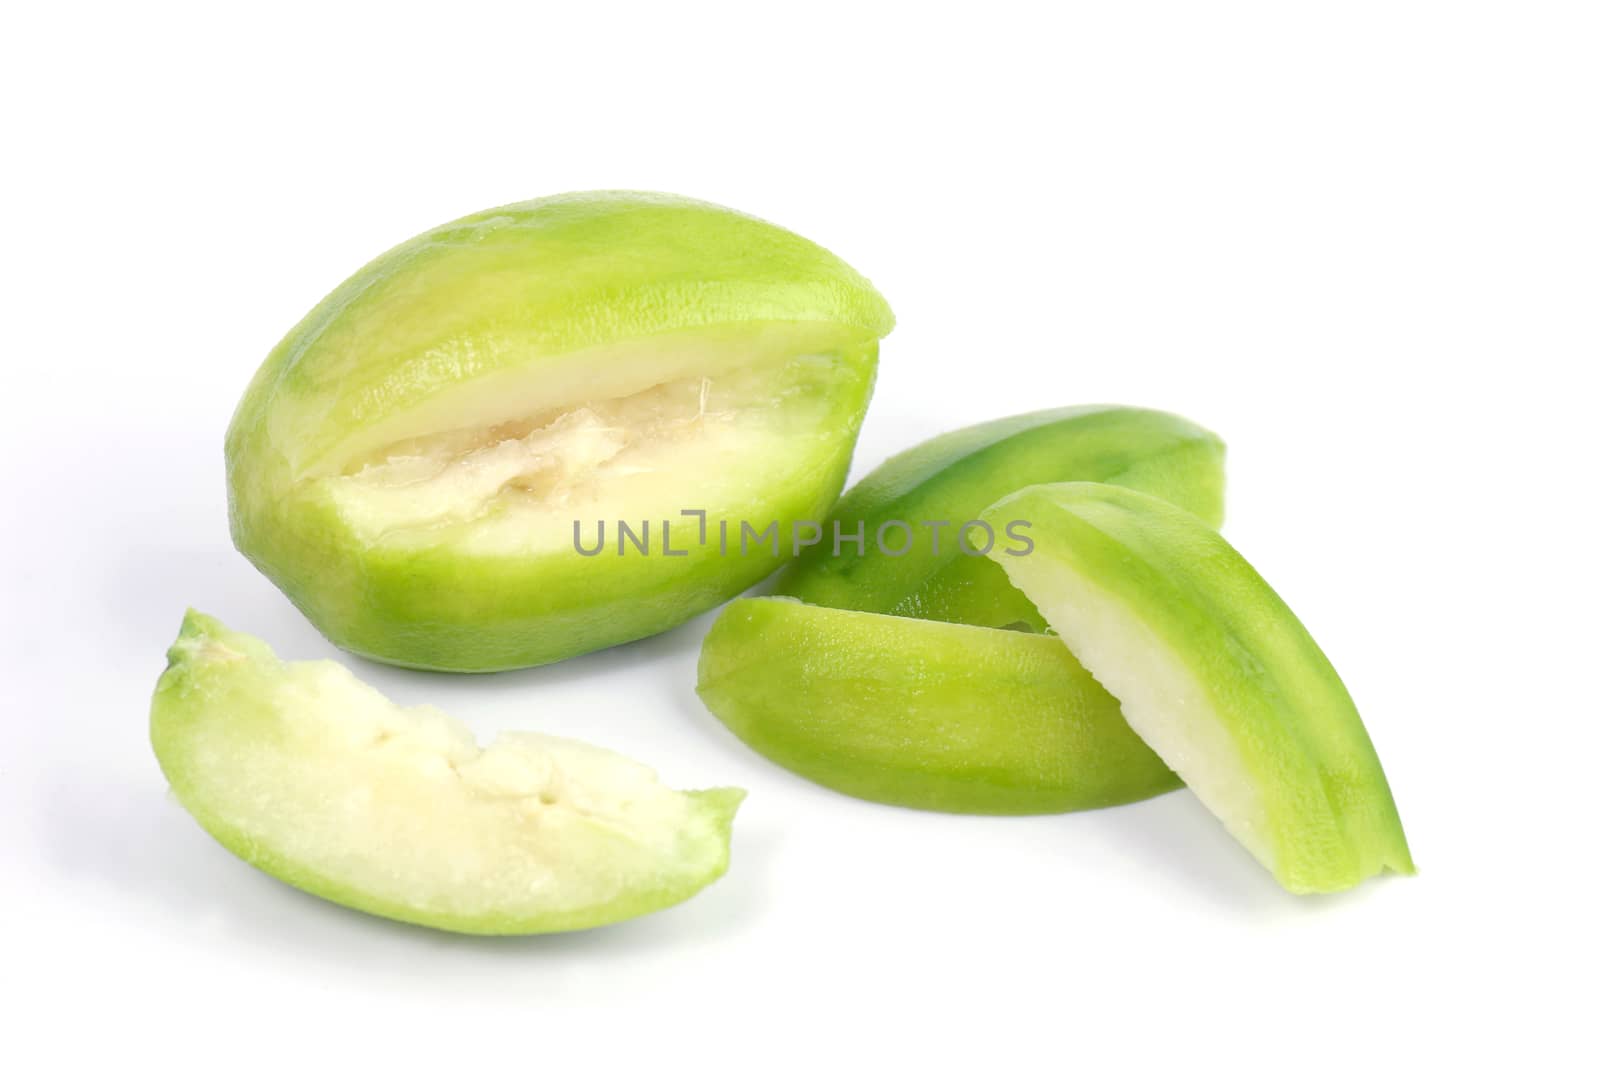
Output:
x=1215 y=672
x=320 y=781
x=922 y=714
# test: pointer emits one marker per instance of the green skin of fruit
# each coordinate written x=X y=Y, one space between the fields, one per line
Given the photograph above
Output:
x=953 y=477
x=1216 y=673
x=563 y=289
x=226 y=706
x=922 y=714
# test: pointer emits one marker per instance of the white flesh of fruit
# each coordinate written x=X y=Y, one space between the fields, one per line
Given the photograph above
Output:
x=518 y=486
x=1160 y=698
x=716 y=419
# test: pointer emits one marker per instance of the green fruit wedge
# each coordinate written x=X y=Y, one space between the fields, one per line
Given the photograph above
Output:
x=922 y=714
x=315 y=778
x=1215 y=672
x=419 y=461
x=930 y=571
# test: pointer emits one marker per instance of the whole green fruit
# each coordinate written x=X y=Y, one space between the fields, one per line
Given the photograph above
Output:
x=425 y=461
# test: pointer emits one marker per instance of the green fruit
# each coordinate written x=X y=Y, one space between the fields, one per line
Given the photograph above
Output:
x=953 y=477
x=417 y=461
x=922 y=714
x=1215 y=672
x=315 y=778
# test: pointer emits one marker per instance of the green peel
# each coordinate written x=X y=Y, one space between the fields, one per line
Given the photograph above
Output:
x=951 y=478
x=922 y=714
x=316 y=779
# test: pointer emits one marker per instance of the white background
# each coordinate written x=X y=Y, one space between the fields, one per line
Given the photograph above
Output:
x=1359 y=240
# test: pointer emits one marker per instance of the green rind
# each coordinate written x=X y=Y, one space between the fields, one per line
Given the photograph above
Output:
x=193 y=685
x=922 y=714
x=954 y=476
x=1331 y=818
x=518 y=287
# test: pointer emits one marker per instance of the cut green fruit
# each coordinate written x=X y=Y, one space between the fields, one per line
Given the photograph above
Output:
x=953 y=477
x=1215 y=672
x=922 y=714
x=315 y=778
x=418 y=461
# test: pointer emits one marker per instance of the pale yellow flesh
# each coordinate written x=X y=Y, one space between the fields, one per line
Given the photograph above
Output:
x=520 y=485
x=317 y=777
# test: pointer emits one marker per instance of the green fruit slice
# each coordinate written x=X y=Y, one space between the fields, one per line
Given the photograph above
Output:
x=419 y=461
x=927 y=571
x=316 y=779
x=922 y=714
x=1215 y=672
